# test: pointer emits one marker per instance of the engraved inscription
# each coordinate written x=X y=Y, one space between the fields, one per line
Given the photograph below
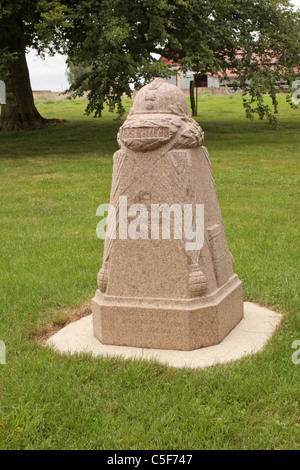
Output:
x=145 y=133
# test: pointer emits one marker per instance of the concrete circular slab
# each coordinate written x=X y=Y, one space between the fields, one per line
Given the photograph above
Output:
x=248 y=337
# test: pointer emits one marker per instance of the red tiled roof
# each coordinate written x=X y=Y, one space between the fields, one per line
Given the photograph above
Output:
x=229 y=73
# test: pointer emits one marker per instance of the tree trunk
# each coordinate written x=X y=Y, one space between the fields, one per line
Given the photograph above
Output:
x=192 y=96
x=23 y=115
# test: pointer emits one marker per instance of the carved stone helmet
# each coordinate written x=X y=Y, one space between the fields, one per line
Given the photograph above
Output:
x=160 y=97
x=159 y=116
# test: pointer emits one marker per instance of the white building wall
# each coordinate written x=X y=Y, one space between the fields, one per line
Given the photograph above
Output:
x=213 y=82
x=185 y=80
x=172 y=80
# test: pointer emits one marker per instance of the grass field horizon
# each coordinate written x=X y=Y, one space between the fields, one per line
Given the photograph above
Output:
x=51 y=183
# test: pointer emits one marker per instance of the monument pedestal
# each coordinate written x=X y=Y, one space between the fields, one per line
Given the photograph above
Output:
x=164 y=324
x=167 y=280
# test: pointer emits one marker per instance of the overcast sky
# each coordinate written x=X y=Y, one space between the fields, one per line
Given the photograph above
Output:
x=50 y=74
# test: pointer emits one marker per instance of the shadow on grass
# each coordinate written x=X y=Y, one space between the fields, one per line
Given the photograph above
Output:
x=78 y=139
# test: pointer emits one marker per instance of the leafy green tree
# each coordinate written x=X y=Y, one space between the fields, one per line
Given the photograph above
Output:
x=75 y=71
x=21 y=27
x=115 y=44
x=257 y=40
x=109 y=41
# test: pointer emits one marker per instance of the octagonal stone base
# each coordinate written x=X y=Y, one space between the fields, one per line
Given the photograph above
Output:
x=164 y=324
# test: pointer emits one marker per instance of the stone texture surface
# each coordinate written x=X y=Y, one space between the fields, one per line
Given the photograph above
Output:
x=157 y=293
x=248 y=337
x=182 y=325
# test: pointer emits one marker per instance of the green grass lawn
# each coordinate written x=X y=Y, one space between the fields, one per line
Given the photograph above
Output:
x=51 y=183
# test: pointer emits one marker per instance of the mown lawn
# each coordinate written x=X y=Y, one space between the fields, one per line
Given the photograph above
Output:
x=51 y=183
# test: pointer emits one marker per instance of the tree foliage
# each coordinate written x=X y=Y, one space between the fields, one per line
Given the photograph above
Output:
x=115 y=46
x=21 y=27
x=116 y=42
x=257 y=40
